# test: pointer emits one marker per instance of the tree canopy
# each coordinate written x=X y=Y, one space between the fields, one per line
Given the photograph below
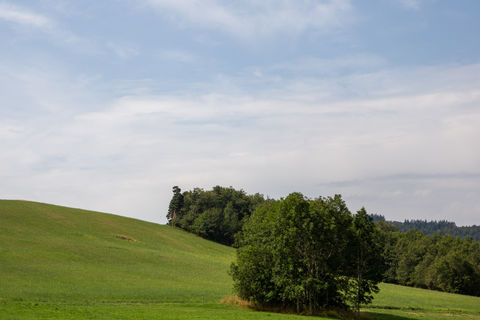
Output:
x=216 y=214
x=307 y=255
x=439 y=262
x=431 y=227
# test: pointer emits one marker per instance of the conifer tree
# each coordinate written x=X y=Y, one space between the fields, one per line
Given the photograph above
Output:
x=176 y=204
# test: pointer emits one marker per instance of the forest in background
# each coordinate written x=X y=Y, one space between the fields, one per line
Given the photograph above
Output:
x=431 y=227
x=414 y=253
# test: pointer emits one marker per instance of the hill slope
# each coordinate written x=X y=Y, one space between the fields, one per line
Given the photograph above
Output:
x=63 y=263
x=56 y=253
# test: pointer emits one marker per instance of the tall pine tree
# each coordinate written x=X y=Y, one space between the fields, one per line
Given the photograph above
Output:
x=175 y=206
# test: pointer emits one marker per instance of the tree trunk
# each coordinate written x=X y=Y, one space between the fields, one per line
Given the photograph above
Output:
x=174 y=219
x=310 y=307
x=359 y=281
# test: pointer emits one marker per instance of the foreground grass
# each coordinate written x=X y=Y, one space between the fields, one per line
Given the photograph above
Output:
x=399 y=302
x=64 y=263
x=407 y=307
x=167 y=311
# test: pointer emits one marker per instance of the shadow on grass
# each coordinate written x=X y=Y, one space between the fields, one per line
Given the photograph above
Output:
x=381 y=316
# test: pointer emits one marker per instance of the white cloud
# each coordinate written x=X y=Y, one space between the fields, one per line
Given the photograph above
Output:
x=53 y=30
x=312 y=66
x=177 y=56
x=122 y=50
x=250 y=18
x=399 y=151
x=23 y=16
x=413 y=4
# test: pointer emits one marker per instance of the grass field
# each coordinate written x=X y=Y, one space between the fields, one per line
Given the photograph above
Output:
x=63 y=263
x=414 y=303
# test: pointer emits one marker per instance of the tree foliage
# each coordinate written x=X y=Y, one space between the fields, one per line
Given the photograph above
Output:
x=216 y=214
x=302 y=254
x=439 y=262
x=368 y=259
x=432 y=227
x=175 y=205
x=309 y=254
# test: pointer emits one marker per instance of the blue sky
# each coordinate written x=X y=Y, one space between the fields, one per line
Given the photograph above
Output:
x=106 y=105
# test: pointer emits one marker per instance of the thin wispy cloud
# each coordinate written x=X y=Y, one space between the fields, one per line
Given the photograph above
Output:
x=181 y=56
x=249 y=140
x=18 y=15
x=413 y=4
x=121 y=50
x=315 y=66
x=58 y=33
x=258 y=18
x=46 y=27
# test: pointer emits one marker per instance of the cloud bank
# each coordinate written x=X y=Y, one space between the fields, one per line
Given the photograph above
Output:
x=107 y=106
x=414 y=143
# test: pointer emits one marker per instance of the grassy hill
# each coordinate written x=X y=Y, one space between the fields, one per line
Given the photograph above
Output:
x=64 y=263
x=55 y=253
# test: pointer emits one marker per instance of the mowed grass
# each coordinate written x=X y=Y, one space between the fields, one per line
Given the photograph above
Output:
x=53 y=253
x=395 y=301
x=64 y=263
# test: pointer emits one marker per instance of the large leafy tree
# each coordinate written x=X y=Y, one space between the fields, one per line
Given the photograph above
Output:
x=368 y=263
x=253 y=272
x=296 y=253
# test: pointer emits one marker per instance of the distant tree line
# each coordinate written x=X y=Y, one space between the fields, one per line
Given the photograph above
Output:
x=308 y=254
x=431 y=227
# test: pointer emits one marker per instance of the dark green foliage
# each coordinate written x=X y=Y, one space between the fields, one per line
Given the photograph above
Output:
x=431 y=254
x=431 y=227
x=432 y=261
x=301 y=254
x=175 y=205
x=284 y=245
x=253 y=272
x=377 y=217
x=216 y=214
x=368 y=260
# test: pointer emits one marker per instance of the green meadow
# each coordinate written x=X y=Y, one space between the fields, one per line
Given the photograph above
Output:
x=64 y=263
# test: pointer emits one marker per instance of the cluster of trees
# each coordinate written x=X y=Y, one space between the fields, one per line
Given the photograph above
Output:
x=216 y=214
x=431 y=227
x=307 y=255
x=439 y=262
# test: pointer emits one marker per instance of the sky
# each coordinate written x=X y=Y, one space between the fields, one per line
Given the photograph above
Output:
x=106 y=105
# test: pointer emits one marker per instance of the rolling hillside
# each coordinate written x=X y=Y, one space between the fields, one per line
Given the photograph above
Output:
x=64 y=263
x=56 y=253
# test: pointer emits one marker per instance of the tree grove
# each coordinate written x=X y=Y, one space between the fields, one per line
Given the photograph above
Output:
x=307 y=255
